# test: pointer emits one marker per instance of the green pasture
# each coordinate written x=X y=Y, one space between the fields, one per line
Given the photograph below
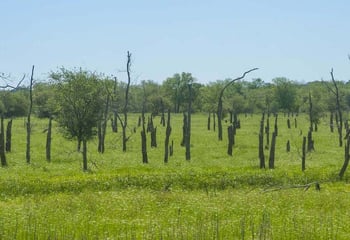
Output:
x=212 y=196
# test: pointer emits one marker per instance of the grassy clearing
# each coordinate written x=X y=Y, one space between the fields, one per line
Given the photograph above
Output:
x=213 y=196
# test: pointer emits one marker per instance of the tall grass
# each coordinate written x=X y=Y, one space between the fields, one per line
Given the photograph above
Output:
x=213 y=196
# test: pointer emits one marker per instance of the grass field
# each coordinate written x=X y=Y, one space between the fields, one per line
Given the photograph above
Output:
x=213 y=196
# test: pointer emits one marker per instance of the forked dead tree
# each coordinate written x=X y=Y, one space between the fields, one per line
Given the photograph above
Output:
x=339 y=115
x=219 y=109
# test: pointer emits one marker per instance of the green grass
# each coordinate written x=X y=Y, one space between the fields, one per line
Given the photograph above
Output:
x=213 y=196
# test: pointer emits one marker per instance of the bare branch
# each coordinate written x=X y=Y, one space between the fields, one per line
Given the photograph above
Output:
x=305 y=187
x=11 y=86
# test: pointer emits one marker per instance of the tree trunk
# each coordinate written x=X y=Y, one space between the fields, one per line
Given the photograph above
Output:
x=276 y=127
x=208 y=125
x=331 y=123
x=162 y=118
x=288 y=123
x=184 y=130
x=346 y=158
x=304 y=155
x=230 y=140
x=79 y=145
x=272 y=151
x=310 y=112
x=167 y=137
x=114 y=120
x=219 y=109
x=85 y=166
x=214 y=122
x=188 y=132
x=171 y=148
x=2 y=143
x=288 y=146
x=102 y=127
x=261 y=143
x=267 y=132
x=28 y=117
x=340 y=115
x=154 y=137
x=48 y=141
x=125 y=109
x=8 y=136
x=219 y=115
x=144 y=143
x=310 y=141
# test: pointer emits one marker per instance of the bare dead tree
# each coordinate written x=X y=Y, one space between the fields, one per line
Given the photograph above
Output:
x=124 y=122
x=346 y=158
x=102 y=126
x=339 y=121
x=48 y=140
x=8 y=136
x=303 y=154
x=188 y=132
x=2 y=142
x=272 y=151
x=167 y=137
x=310 y=112
x=261 y=142
x=29 y=115
x=144 y=140
x=219 y=109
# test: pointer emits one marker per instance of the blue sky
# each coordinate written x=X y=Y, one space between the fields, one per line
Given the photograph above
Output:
x=300 y=40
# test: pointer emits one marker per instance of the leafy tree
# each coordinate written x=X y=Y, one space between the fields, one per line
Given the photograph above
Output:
x=176 y=88
x=79 y=103
x=285 y=94
x=43 y=99
x=15 y=102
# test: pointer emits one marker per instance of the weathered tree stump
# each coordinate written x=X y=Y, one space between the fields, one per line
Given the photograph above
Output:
x=288 y=146
x=48 y=140
x=261 y=143
x=8 y=144
x=230 y=135
x=303 y=154
x=208 y=126
x=167 y=137
x=2 y=143
x=272 y=151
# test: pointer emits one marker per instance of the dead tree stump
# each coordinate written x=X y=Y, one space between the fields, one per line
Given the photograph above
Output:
x=230 y=136
x=261 y=143
x=272 y=151
x=8 y=136
x=48 y=141
x=303 y=154
x=167 y=137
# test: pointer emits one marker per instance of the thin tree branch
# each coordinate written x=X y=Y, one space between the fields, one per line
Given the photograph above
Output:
x=11 y=86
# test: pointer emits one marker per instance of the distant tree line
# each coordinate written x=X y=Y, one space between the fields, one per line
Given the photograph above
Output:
x=247 y=96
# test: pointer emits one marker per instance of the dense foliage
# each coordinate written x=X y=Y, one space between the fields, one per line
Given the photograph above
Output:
x=247 y=96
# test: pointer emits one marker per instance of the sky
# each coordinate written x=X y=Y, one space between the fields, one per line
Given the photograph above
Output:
x=214 y=40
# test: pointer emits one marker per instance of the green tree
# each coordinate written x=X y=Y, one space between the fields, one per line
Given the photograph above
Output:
x=176 y=89
x=285 y=94
x=78 y=95
x=43 y=99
